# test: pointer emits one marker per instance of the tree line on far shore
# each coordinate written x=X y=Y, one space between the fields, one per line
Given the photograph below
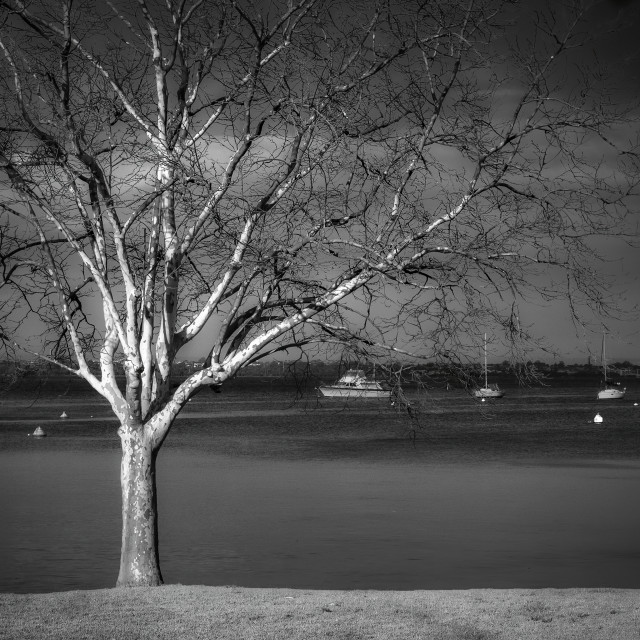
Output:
x=330 y=369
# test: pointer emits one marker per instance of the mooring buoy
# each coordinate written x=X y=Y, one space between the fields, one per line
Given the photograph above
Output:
x=598 y=418
x=39 y=433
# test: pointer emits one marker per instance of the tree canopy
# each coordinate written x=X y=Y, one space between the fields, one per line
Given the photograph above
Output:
x=287 y=173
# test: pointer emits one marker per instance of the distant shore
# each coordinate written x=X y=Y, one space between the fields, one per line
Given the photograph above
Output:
x=220 y=613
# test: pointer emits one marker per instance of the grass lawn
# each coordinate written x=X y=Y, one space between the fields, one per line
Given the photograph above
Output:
x=219 y=613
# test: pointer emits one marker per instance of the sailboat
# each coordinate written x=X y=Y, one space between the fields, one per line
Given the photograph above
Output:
x=609 y=391
x=487 y=391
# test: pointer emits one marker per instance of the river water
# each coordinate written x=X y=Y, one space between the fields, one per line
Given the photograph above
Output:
x=258 y=490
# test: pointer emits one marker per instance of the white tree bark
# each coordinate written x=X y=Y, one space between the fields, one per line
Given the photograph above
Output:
x=139 y=559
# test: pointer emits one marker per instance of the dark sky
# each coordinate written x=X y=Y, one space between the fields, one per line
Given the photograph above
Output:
x=611 y=36
x=614 y=27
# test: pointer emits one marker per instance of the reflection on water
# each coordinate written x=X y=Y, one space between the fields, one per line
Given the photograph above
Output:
x=256 y=492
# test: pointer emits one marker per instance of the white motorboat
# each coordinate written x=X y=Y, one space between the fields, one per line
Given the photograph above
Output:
x=355 y=384
x=609 y=391
x=488 y=391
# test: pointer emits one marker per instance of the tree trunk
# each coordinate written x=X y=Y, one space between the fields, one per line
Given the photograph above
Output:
x=139 y=558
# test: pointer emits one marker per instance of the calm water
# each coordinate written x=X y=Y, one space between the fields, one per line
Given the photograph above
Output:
x=255 y=491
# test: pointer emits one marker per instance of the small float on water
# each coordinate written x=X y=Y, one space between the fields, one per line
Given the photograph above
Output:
x=64 y=414
x=38 y=433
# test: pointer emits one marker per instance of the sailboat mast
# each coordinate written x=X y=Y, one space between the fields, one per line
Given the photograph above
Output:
x=486 y=381
x=604 y=358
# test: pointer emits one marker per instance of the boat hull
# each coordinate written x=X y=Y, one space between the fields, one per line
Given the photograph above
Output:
x=488 y=393
x=354 y=384
x=335 y=391
x=611 y=394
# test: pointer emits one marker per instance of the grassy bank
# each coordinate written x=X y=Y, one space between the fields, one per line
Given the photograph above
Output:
x=222 y=613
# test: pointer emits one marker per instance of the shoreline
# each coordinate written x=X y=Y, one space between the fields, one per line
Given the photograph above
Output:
x=220 y=613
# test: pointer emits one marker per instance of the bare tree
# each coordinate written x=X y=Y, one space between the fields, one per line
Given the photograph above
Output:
x=265 y=175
